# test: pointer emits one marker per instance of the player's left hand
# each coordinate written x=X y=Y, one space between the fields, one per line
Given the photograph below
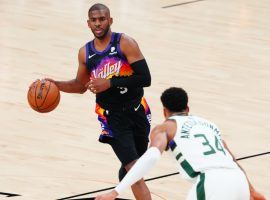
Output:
x=97 y=85
x=108 y=196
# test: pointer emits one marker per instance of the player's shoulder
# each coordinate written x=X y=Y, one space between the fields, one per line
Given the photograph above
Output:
x=171 y=127
x=168 y=127
x=127 y=40
x=82 y=53
x=82 y=49
x=169 y=122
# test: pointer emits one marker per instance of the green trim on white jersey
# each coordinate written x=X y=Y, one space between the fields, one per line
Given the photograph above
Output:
x=200 y=188
x=188 y=169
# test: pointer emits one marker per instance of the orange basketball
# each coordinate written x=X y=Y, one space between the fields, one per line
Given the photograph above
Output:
x=43 y=96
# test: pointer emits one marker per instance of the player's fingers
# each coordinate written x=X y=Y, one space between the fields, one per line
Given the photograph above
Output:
x=32 y=85
x=92 y=89
x=48 y=79
x=87 y=84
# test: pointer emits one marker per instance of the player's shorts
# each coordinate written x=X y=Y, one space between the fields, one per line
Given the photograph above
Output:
x=220 y=184
x=126 y=130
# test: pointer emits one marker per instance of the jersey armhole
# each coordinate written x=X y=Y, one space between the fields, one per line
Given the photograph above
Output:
x=118 y=39
x=87 y=54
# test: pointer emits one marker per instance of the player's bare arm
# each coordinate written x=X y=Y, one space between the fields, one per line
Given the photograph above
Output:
x=76 y=85
x=130 y=49
x=162 y=134
x=158 y=138
x=254 y=195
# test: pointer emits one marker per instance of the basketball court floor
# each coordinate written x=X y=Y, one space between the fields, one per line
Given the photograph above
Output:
x=218 y=50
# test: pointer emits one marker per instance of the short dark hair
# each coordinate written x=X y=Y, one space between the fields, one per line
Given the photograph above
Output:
x=174 y=99
x=98 y=6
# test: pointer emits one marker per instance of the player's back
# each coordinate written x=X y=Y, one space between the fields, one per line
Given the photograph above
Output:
x=197 y=146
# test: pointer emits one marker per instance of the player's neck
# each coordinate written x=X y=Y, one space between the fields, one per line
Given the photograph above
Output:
x=101 y=44
x=184 y=113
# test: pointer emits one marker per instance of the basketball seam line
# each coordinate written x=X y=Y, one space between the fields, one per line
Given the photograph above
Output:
x=45 y=96
x=52 y=103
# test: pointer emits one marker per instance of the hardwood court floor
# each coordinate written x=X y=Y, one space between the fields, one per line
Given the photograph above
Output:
x=218 y=50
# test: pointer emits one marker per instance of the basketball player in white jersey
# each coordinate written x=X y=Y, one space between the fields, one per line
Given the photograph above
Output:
x=201 y=154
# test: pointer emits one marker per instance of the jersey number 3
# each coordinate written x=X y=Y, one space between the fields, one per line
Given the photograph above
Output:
x=211 y=149
x=123 y=90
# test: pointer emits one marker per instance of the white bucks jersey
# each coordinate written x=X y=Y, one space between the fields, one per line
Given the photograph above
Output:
x=197 y=146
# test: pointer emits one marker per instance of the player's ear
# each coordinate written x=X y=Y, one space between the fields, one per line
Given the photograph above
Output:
x=111 y=20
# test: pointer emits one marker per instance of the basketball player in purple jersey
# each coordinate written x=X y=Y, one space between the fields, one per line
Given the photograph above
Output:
x=113 y=67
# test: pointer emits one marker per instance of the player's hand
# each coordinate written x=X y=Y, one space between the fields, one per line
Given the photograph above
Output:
x=97 y=85
x=254 y=195
x=33 y=84
x=49 y=79
x=52 y=80
x=108 y=196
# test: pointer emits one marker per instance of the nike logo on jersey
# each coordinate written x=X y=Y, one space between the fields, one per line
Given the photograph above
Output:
x=90 y=56
x=137 y=108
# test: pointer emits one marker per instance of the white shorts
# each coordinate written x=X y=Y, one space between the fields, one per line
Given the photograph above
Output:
x=220 y=184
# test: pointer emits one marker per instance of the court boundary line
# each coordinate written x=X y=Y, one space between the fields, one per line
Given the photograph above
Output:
x=180 y=4
x=154 y=178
